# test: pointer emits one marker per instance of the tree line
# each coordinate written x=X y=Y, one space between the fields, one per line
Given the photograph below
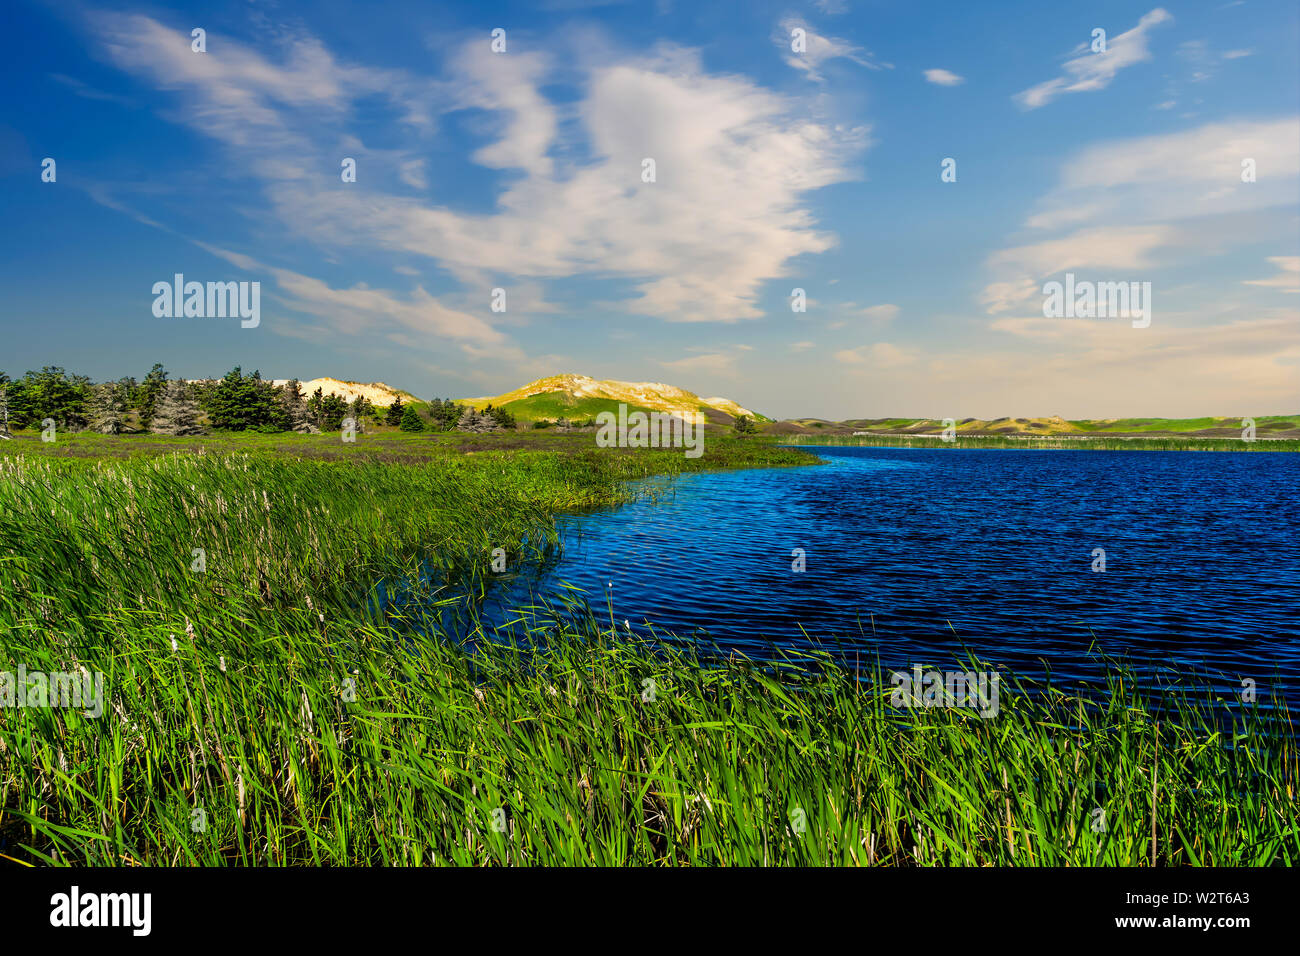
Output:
x=237 y=402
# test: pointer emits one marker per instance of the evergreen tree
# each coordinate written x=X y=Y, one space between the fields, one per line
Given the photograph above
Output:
x=744 y=425
x=471 y=420
x=176 y=412
x=500 y=416
x=315 y=407
x=411 y=420
x=50 y=393
x=241 y=402
x=154 y=384
x=293 y=410
x=395 y=412
x=108 y=408
x=361 y=408
x=445 y=414
x=332 y=412
x=4 y=405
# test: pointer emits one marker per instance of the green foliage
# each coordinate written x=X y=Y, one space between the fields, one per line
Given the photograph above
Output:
x=50 y=393
x=151 y=390
x=395 y=412
x=500 y=416
x=361 y=408
x=239 y=402
x=411 y=420
x=333 y=409
x=444 y=414
x=744 y=425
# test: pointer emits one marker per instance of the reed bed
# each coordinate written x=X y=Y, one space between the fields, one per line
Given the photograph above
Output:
x=266 y=711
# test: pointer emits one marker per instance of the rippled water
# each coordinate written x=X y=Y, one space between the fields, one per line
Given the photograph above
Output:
x=911 y=553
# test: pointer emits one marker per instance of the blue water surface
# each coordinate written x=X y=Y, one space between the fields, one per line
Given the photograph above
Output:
x=913 y=554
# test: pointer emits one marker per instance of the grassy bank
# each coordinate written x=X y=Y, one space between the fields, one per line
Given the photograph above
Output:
x=259 y=711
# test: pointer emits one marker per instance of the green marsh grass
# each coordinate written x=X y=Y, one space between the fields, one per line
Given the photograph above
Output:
x=262 y=712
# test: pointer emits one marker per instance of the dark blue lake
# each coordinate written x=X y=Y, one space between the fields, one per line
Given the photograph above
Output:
x=912 y=553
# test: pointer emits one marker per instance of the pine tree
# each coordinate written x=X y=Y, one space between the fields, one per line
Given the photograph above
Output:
x=361 y=409
x=411 y=420
x=293 y=410
x=394 y=415
x=4 y=406
x=445 y=414
x=176 y=413
x=332 y=412
x=474 y=421
x=107 y=408
x=155 y=383
x=500 y=416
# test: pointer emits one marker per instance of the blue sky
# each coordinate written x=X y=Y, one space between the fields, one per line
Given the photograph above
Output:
x=774 y=170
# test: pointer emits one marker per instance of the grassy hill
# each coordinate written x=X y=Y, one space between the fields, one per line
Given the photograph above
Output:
x=579 y=397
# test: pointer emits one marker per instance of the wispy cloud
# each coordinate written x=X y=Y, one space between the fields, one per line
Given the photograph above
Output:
x=1166 y=190
x=881 y=355
x=362 y=309
x=1094 y=71
x=1287 y=278
x=819 y=50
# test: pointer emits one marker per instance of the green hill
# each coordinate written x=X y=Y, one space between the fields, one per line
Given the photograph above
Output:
x=579 y=397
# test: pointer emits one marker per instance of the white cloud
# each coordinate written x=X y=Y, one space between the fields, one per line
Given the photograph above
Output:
x=726 y=214
x=361 y=309
x=412 y=173
x=1094 y=71
x=819 y=50
x=1007 y=296
x=1193 y=173
x=1179 y=191
x=1114 y=247
x=1287 y=278
x=944 y=78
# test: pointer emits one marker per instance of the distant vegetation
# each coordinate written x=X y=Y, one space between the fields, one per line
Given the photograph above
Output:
x=1095 y=442
x=1266 y=427
x=235 y=403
